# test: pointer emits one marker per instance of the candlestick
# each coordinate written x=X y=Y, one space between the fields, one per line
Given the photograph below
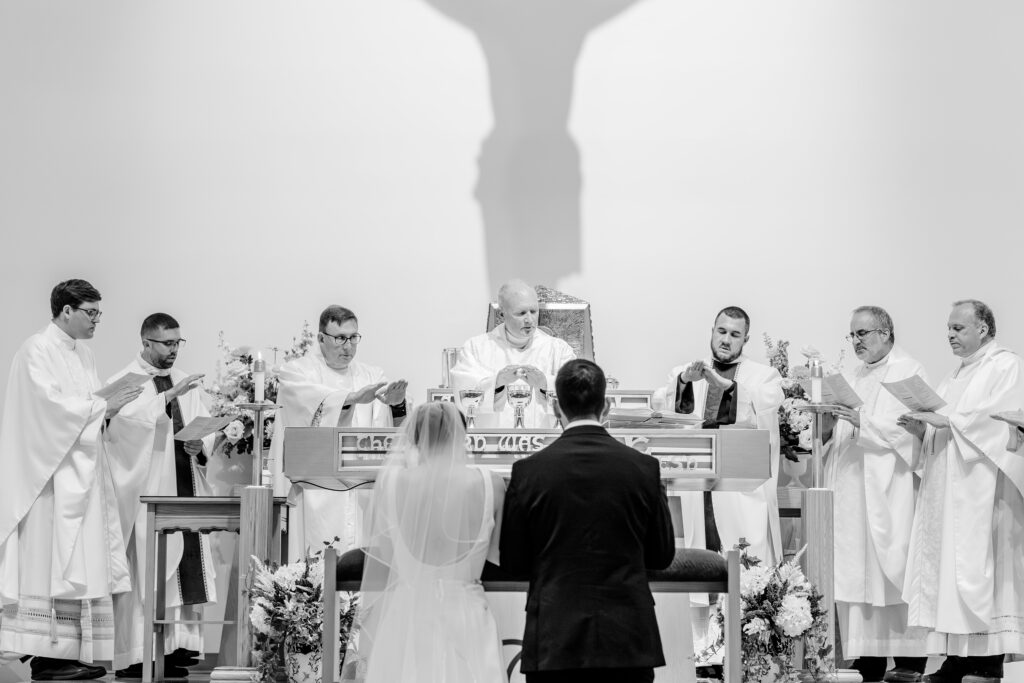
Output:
x=259 y=375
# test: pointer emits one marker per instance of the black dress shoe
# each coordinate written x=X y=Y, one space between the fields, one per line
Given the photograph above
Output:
x=50 y=669
x=182 y=657
x=134 y=672
x=902 y=676
x=978 y=678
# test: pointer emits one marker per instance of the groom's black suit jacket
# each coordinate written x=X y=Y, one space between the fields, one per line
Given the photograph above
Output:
x=585 y=518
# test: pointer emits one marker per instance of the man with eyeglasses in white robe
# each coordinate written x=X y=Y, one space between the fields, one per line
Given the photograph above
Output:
x=147 y=460
x=516 y=351
x=870 y=466
x=62 y=554
x=329 y=388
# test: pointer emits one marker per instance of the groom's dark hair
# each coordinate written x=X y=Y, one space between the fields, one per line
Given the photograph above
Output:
x=580 y=386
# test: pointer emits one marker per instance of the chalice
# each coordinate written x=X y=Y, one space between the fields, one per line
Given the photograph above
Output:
x=519 y=396
x=471 y=399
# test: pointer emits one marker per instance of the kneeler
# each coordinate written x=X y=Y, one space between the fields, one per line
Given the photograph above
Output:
x=692 y=571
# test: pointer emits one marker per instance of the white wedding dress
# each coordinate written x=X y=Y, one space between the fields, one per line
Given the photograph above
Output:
x=424 y=618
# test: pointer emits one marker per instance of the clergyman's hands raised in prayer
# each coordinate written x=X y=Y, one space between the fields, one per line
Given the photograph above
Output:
x=692 y=372
x=183 y=387
x=122 y=398
x=365 y=394
x=712 y=376
x=394 y=393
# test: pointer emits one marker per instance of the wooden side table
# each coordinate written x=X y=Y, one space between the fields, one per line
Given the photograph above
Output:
x=170 y=514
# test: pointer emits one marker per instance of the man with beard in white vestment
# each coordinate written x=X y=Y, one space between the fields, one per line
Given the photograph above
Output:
x=146 y=460
x=965 y=579
x=516 y=350
x=729 y=389
x=328 y=388
x=869 y=465
x=62 y=552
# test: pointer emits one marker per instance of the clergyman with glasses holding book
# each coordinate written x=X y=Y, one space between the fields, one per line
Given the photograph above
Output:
x=870 y=463
x=61 y=546
x=328 y=387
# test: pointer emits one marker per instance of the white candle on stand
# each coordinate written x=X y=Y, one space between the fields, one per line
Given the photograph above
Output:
x=259 y=374
x=816 y=379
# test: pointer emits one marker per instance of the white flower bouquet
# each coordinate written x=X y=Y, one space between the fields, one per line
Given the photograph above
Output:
x=233 y=385
x=780 y=608
x=794 y=424
x=287 y=611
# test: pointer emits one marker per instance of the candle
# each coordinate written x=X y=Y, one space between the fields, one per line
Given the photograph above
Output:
x=816 y=378
x=259 y=374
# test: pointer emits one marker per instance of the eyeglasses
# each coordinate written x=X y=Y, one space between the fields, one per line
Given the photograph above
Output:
x=170 y=343
x=93 y=313
x=859 y=334
x=341 y=339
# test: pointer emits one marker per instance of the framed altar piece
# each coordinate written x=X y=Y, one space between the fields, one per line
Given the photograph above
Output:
x=562 y=316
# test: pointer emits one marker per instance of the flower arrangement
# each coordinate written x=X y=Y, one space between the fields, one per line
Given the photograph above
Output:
x=780 y=607
x=794 y=424
x=233 y=385
x=286 y=612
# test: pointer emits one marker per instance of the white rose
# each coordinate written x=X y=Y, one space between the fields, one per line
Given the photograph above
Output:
x=810 y=352
x=234 y=431
x=794 y=617
x=806 y=439
x=754 y=580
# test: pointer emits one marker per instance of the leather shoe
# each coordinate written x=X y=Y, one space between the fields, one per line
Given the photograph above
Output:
x=50 y=669
x=978 y=678
x=134 y=672
x=902 y=676
x=941 y=677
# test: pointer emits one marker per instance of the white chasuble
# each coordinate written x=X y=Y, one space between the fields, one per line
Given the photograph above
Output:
x=311 y=394
x=870 y=469
x=483 y=356
x=753 y=515
x=62 y=552
x=142 y=456
x=965 y=578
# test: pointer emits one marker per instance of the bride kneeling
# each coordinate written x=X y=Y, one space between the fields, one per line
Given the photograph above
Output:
x=431 y=526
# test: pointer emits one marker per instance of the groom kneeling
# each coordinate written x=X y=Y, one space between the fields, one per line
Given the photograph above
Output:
x=585 y=518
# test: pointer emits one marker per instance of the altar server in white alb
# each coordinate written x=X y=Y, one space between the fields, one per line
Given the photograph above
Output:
x=515 y=351
x=729 y=389
x=147 y=460
x=965 y=580
x=869 y=465
x=62 y=552
x=329 y=388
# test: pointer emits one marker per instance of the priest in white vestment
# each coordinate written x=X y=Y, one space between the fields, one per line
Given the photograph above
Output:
x=730 y=390
x=146 y=460
x=870 y=467
x=965 y=579
x=329 y=388
x=62 y=552
x=516 y=351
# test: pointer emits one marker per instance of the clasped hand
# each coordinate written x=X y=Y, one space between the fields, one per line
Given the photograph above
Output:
x=528 y=373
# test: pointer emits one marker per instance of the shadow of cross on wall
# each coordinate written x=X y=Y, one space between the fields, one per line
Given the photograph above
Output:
x=529 y=183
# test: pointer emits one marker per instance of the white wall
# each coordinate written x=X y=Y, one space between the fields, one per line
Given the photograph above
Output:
x=242 y=165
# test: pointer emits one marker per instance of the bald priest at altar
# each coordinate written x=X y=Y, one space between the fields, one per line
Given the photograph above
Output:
x=328 y=387
x=515 y=352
